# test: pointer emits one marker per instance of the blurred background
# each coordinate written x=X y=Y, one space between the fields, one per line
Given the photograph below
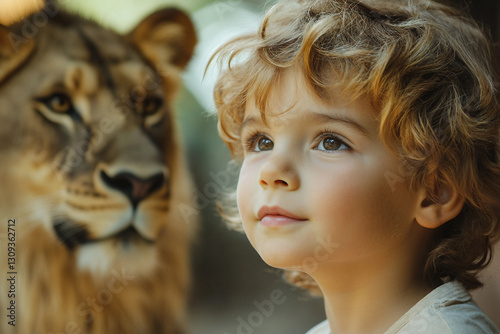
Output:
x=232 y=286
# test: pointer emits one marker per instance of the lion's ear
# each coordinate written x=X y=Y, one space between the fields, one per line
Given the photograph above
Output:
x=166 y=36
x=12 y=53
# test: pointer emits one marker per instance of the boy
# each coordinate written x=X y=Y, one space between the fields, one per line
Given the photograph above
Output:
x=368 y=135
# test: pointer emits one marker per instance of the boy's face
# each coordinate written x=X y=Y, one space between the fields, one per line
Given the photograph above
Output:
x=317 y=183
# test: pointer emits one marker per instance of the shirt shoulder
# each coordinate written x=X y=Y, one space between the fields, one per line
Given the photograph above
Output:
x=448 y=309
x=321 y=328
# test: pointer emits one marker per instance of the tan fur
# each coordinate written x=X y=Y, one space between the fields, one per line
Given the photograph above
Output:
x=12 y=11
x=117 y=284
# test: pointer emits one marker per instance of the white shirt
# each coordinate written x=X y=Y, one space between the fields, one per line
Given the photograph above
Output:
x=448 y=309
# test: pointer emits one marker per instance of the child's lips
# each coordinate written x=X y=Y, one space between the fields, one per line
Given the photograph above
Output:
x=275 y=216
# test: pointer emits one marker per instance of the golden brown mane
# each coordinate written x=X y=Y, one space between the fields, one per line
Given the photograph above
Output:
x=93 y=175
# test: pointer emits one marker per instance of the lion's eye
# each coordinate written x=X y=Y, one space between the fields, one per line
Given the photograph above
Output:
x=59 y=103
x=150 y=105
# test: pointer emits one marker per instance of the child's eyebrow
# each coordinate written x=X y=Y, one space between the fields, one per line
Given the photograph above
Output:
x=315 y=116
x=249 y=121
x=325 y=118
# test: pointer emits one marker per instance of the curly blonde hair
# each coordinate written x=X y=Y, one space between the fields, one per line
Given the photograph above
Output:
x=428 y=70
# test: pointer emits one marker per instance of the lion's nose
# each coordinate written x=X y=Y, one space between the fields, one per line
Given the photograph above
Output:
x=134 y=187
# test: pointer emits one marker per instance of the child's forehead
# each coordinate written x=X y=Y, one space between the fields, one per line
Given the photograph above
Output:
x=292 y=91
x=292 y=105
x=288 y=88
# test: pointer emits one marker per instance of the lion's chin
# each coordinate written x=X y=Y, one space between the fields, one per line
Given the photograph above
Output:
x=128 y=251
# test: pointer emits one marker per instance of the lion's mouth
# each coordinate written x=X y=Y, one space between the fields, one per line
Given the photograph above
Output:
x=129 y=234
x=72 y=234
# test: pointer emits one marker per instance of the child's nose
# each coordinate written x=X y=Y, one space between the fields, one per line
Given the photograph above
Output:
x=278 y=172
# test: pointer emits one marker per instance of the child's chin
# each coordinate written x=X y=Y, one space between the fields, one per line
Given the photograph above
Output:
x=283 y=260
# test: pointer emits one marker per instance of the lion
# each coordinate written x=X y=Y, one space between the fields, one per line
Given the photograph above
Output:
x=93 y=176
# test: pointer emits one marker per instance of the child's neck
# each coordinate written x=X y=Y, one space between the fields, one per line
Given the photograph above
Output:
x=369 y=296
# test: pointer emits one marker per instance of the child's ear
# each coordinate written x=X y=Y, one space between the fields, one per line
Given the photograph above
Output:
x=434 y=213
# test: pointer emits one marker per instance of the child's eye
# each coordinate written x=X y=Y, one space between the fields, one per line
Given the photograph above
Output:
x=330 y=142
x=263 y=144
x=259 y=143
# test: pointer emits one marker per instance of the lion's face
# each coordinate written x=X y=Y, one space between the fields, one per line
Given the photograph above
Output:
x=89 y=139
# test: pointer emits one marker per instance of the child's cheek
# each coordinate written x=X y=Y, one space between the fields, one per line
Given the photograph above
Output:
x=354 y=206
x=246 y=189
